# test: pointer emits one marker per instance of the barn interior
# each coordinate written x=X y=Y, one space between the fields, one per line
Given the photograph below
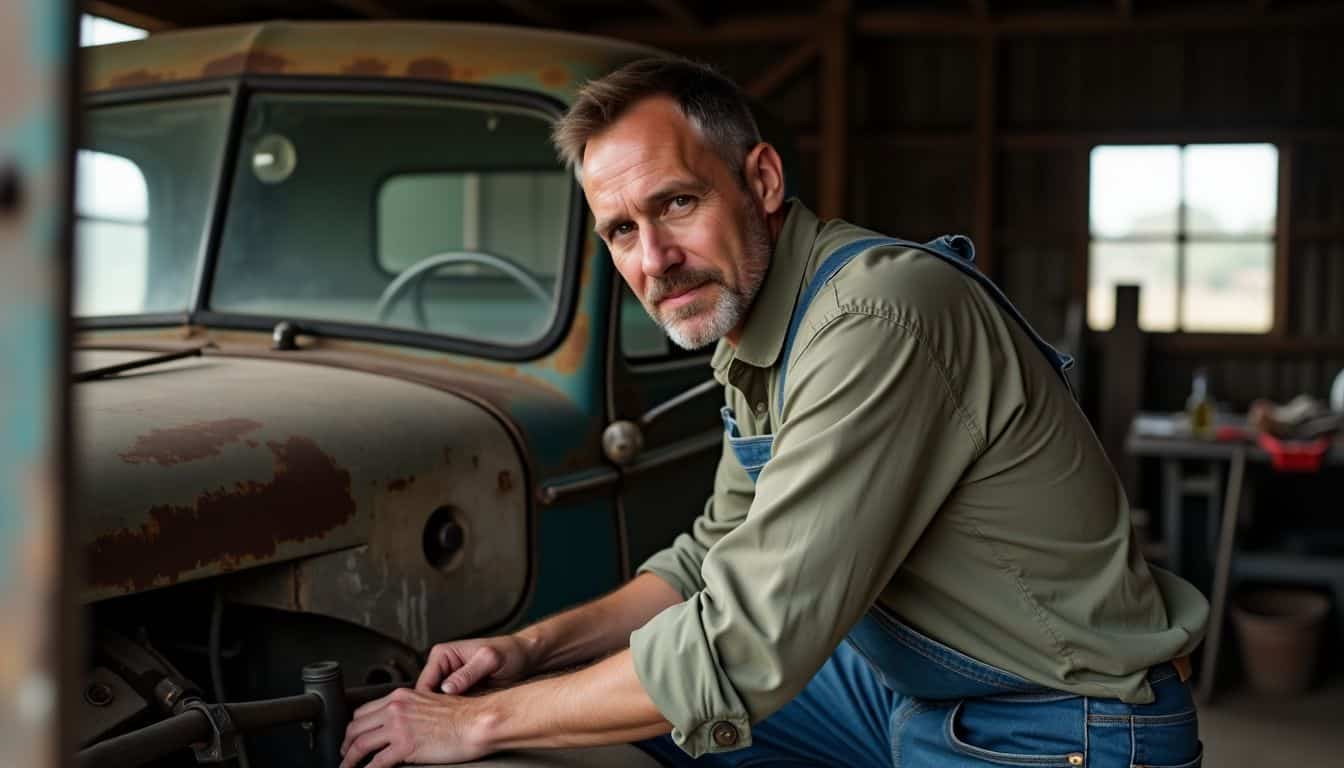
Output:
x=1157 y=184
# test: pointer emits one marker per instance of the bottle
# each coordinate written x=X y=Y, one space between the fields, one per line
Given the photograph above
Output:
x=1199 y=407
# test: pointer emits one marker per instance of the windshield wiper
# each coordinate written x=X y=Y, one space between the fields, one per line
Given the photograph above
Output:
x=144 y=362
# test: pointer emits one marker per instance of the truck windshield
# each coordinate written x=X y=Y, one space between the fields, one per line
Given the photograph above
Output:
x=144 y=176
x=441 y=216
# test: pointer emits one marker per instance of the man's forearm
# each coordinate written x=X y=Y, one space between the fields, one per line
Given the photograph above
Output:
x=598 y=628
x=598 y=705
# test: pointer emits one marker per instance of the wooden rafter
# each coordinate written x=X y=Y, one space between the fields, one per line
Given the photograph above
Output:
x=833 y=175
x=728 y=31
x=897 y=23
x=124 y=16
x=678 y=11
x=783 y=70
x=369 y=9
x=535 y=12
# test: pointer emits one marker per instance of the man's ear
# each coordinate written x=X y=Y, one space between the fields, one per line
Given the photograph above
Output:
x=764 y=173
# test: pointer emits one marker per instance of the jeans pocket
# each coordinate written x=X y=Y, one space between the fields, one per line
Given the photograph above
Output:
x=1048 y=733
x=1167 y=741
x=1196 y=763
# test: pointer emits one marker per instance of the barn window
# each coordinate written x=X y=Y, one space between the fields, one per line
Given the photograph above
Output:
x=1193 y=226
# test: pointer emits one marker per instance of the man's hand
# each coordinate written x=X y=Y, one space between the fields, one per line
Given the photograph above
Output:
x=409 y=726
x=458 y=666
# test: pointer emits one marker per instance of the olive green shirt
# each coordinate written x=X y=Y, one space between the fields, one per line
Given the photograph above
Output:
x=927 y=457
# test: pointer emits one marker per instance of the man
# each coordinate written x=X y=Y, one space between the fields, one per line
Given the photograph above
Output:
x=916 y=551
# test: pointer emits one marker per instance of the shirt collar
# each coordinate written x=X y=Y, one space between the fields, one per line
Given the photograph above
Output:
x=768 y=319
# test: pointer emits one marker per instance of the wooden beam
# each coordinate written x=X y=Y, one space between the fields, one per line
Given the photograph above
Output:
x=369 y=9
x=1088 y=138
x=728 y=31
x=833 y=164
x=783 y=70
x=930 y=138
x=126 y=16
x=535 y=12
x=986 y=112
x=1283 y=242
x=782 y=28
x=679 y=12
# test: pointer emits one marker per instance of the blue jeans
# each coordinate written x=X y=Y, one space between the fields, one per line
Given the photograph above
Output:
x=851 y=715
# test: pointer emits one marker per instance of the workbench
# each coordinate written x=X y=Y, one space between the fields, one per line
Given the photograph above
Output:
x=1216 y=470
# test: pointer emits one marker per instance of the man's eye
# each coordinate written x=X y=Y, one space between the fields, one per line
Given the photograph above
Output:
x=622 y=229
x=681 y=201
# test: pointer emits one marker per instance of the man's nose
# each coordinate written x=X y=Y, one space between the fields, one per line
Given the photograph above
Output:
x=659 y=251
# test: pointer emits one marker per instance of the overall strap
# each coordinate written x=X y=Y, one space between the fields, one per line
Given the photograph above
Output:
x=956 y=250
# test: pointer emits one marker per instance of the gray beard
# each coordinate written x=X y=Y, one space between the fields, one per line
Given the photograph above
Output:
x=729 y=307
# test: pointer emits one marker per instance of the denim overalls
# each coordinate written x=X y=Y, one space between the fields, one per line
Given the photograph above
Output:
x=890 y=696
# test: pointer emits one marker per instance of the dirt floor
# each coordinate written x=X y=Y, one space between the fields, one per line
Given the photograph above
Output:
x=1242 y=729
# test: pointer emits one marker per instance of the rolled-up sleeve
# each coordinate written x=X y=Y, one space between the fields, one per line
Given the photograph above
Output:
x=872 y=443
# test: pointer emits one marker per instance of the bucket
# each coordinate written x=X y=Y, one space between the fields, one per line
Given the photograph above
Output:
x=1280 y=633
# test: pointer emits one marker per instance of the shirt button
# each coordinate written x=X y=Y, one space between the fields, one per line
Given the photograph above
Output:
x=760 y=410
x=725 y=735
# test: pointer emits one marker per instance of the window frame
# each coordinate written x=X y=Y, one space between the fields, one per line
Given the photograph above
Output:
x=240 y=89
x=1181 y=238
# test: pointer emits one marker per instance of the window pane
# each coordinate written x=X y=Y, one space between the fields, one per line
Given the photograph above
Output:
x=316 y=231
x=1135 y=190
x=1150 y=266
x=143 y=179
x=1231 y=189
x=1228 y=287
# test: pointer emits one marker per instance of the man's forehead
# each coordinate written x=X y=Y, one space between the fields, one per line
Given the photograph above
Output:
x=654 y=128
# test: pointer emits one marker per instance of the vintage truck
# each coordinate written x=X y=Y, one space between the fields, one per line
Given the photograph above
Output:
x=353 y=375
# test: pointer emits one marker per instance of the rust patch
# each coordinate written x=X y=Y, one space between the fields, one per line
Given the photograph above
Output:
x=138 y=77
x=570 y=354
x=251 y=61
x=554 y=77
x=251 y=443
x=178 y=445
x=308 y=497
x=365 y=66
x=505 y=481
x=400 y=483
x=431 y=68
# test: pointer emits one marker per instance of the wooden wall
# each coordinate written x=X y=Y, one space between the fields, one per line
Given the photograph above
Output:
x=987 y=130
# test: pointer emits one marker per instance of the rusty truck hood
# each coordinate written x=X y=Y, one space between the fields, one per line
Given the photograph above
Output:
x=197 y=467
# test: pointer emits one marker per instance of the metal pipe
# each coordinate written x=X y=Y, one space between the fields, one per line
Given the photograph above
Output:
x=251 y=716
x=148 y=743
x=324 y=679
x=181 y=731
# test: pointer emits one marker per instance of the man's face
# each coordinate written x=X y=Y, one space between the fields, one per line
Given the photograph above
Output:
x=683 y=230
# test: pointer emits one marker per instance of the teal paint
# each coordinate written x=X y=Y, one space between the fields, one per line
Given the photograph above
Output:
x=577 y=557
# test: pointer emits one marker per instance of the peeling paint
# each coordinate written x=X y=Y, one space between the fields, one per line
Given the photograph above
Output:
x=504 y=482
x=308 y=497
x=400 y=483
x=198 y=440
x=430 y=68
x=248 y=61
x=570 y=355
x=365 y=66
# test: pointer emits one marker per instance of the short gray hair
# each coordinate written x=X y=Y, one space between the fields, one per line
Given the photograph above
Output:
x=711 y=102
